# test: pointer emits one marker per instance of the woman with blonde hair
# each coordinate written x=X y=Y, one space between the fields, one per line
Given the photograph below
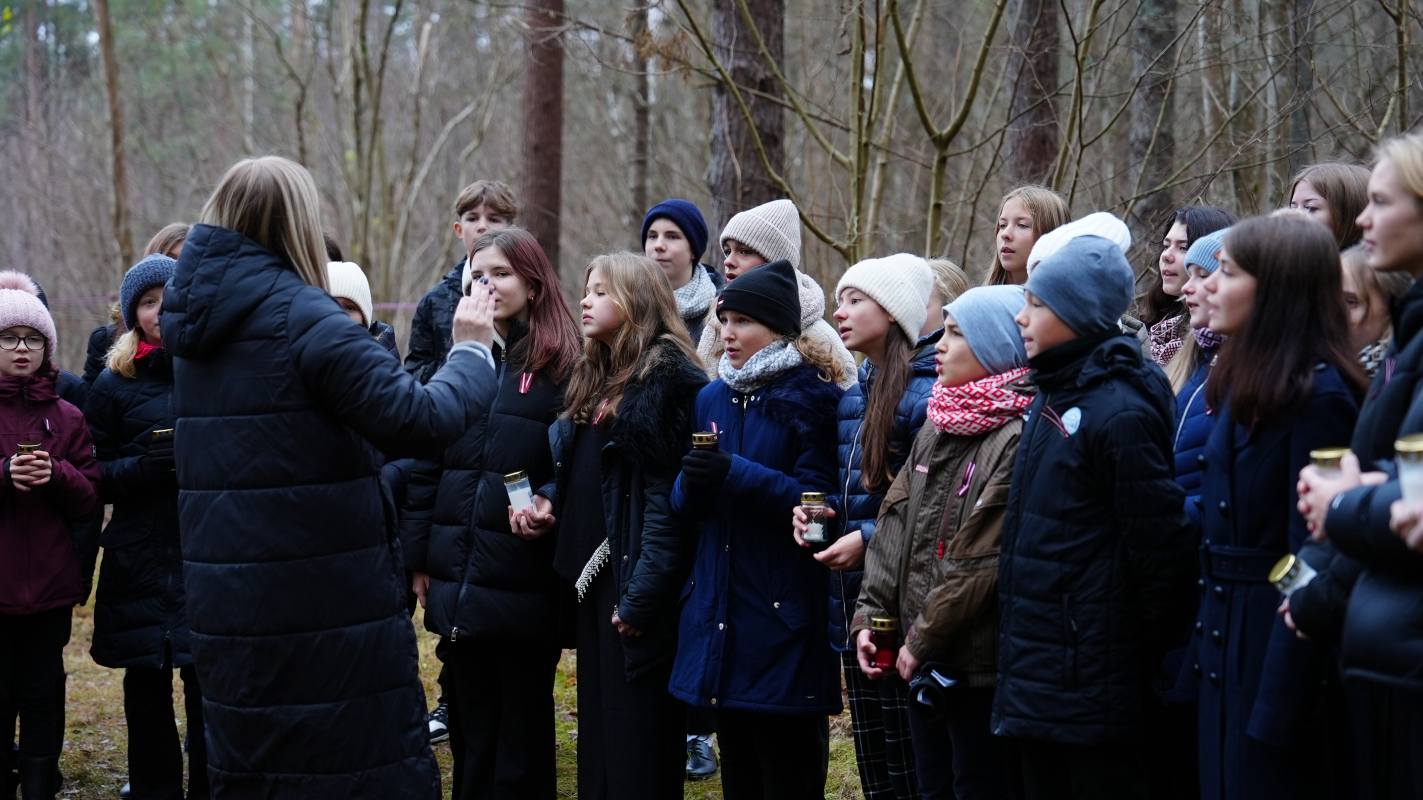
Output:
x=1026 y=213
x=285 y=413
x=617 y=450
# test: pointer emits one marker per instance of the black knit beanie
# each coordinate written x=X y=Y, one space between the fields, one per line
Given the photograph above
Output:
x=769 y=294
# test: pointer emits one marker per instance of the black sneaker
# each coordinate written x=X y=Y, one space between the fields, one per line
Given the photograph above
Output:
x=701 y=758
x=439 y=723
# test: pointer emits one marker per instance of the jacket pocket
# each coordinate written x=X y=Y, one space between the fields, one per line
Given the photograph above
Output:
x=1070 y=634
x=791 y=612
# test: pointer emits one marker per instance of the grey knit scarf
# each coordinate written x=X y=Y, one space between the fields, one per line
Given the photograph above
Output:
x=762 y=368
x=694 y=298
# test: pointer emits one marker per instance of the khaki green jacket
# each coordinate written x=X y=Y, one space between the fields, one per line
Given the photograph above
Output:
x=934 y=556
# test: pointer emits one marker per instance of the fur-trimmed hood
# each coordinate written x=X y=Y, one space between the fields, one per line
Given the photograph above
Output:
x=801 y=399
x=663 y=400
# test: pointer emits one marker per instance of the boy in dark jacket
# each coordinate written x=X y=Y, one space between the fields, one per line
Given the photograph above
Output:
x=1097 y=555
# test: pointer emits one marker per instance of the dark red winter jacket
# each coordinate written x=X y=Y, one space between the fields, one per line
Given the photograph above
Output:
x=39 y=564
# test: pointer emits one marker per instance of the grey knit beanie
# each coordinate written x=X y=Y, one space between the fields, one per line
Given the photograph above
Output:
x=1087 y=283
x=986 y=315
x=154 y=270
x=771 y=229
x=1203 y=251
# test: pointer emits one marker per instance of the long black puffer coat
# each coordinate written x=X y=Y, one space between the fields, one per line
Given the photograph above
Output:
x=296 y=591
x=1098 y=563
x=484 y=580
x=141 y=613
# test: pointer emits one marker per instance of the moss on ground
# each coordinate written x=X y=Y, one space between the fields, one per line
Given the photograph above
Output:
x=95 y=762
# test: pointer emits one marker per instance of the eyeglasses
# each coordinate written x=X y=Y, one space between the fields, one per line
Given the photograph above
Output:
x=10 y=341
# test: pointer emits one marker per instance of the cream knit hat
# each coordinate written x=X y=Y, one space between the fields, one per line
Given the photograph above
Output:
x=346 y=279
x=20 y=305
x=900 y=283
x=771 y=229
x=1101 y=223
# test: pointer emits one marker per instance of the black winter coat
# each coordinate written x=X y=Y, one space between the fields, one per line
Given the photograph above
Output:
x=141 y=614
x=484 y=580
x=1383 y=628
x=651 y=549
x=385 y=334
x=431 y=329
x=1098 y=562
x=96 y=357
x=296 y=593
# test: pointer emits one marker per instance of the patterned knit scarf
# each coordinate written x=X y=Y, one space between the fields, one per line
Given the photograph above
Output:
x=696 y=296
x=977 y=407
x=1371 y=357
x=761 y=368
x=1166 y=339
x=1207 y=338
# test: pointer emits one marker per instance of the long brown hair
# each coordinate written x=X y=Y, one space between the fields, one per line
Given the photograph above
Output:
x=651 y=325
x=172 y=236
x=1154 y=304
x=1345 y=187
x=886 y=390
x=1297 y=320
x=553 y=340
x=1049 y=211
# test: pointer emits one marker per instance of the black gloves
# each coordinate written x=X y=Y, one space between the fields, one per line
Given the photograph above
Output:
x=706 y=470
x=158 y=463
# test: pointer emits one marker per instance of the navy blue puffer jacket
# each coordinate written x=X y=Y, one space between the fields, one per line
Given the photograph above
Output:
x=857 y=507
x=296 y=597
x=142 y=609
x=1194 y=422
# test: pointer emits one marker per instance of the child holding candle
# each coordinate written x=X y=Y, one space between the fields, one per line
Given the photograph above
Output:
x=933 y=560
x=485 y=581
x=754 y=645
x=617 y=450
x=46 y=489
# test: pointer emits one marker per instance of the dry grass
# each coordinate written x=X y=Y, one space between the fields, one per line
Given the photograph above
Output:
x=95 y=762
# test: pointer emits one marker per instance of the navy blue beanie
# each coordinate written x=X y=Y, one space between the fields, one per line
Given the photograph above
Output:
x=687 y=217
x=154 y=270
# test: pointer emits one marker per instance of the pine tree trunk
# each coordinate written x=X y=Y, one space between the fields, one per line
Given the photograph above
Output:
x=736 y=175
x=641 y=116
x=1034 y=133
x=542 y=174
x=1153 y=142
x=123 y=236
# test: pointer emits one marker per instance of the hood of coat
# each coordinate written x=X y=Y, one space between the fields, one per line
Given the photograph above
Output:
x=221 y=278
x=662 y=399
x=1088 y=361
x=800 y=400
x=39 y=388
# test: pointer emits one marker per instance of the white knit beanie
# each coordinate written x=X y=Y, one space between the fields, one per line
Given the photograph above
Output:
x=346 y=279
x=20 y=305
x=900 y=283
x=771 y=229
x=1101 y=223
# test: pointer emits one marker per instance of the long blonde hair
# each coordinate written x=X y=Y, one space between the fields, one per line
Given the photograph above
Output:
x=121 y=354
x=652 y=325
x=273 y=201
x=1049 y=210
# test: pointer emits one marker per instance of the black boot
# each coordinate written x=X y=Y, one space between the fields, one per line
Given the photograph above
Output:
x=9 y=774
x=40 y=778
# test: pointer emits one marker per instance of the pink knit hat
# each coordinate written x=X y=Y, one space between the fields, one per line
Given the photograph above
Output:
x=20 y=305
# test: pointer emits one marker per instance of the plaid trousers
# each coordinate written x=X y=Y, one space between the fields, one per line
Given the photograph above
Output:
x=879 y=722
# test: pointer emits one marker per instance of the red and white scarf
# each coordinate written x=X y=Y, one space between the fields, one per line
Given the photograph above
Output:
x=977 y=407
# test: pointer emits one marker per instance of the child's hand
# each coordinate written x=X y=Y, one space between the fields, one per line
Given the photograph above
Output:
x=420 y=584
x=624 y=628
x=1407 y=522
x=705 y=469
x=907 y=664
x=848 y=552
x=800 y=523
x=31 y=470
x=1317 y=492
x=532 y=523
x=865 y=653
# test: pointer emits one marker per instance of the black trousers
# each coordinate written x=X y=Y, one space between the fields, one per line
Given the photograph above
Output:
x=155 y=755
x=32 y=680
x=1053 y=771
x=1387 y=732
x=501 y=719
x=956 y=756
x=700 y=721
x=632 y=735
x=773 y=756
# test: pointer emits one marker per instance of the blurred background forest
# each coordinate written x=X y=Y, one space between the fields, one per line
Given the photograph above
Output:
x=894 y=124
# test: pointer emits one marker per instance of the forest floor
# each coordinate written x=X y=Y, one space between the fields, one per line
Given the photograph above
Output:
x=95 y=765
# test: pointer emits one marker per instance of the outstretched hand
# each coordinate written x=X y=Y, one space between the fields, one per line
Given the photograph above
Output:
x=474 y=316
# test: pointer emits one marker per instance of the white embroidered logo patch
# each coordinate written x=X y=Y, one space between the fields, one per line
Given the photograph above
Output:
x=1072 y=419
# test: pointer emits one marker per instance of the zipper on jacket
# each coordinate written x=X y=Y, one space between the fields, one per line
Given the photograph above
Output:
x=455 y=631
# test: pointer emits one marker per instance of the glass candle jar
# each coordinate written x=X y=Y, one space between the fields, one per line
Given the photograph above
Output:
x=884 y=634
x=1408 y=452
x=521 y=495
x=706 y=440
x=1290 y=574
x=817 y=518
x=27 y=448
x=1327 y=461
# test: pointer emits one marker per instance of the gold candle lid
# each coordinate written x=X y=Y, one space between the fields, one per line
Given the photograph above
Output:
x=1410 y=447
x=28 y=448
x=515 y=477
x=883 y=623
x=707 y=437
x=812 y=497
x=1328 y=457
x=1282 y=568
